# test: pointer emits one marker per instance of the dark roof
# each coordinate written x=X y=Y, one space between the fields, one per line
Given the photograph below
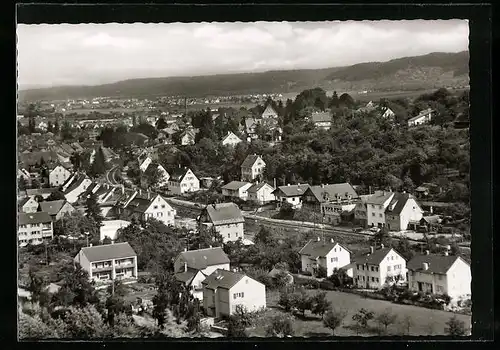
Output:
x=108 y=251
x=66 y=148
x=317 y=248
x=178 y=174
x=34 y=218
x=52 y=207
x=234 y=185
x=202 y=258
x=140 y=204
x=375 y=258
x=77 y=182
x=398 y=201
x=222 y=279
x=39 y=191
x=379 y=198
x=343 y=190
x=33 y=158
x=431 y=219
x=292 y=190
x=437 y=263
x=250 y=160
x=257 y=187
x=23 y=201
x=321 y=117
x=187 y=276
x=224 y=213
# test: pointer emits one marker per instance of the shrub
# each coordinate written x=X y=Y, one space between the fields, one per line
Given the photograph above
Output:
x=306 y=273
x=327 y=285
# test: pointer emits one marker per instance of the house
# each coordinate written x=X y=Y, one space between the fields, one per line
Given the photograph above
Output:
x=224 y=290
x=75 y=186
x=325 y=253
x=109 y=228
x=183 y=180
x=225 y=218
x=143 y=207
x=387 y=113
x=56 y=209
x=378 y=268
x=251 y=128
x=430 y=223
x=403 y=212
x=23 y=173
x=439 y=274
x=144 y=161
x=252 y=167
x=193 y=266
x=269 y=113
x=423 y=117
x=34 y=228
x=330 y=200
x=188 y=136
x=163 y=175
x=421 y=192
x=322 y=120
x=44 y=192
x=230 y=139
x=261 y=193
x=236 y=189
x=28 y=205
x=108 y=262
x=59 y=175
x=291 y=194
x=375 y=207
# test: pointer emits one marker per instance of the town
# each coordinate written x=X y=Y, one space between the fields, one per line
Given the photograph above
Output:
x=322 y=214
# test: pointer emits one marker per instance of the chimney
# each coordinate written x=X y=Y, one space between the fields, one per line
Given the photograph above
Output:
x=431 y=210
x=404 y=192
x=90 y=245
x=425 y=266
x=140 y=191
x=331 y=240
x=381 y=246
x=427 y=252
x=318 y=239
x=185 y=266
x=371 y=249
x=446 y=253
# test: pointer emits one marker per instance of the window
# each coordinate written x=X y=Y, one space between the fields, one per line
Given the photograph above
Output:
x=376 y=279
x=439 y=289
x=380 y=215
x=373 y=206
x=397 y=267
x=228 y=235
x=440 y=277
x=373 y=268
x=357 y=266
x=392 y=257
x=335 y=259
x=388 y=268
x=363 y=278
x=163 y=206
x=373 y=214
x=373 y=279
x=380 y=207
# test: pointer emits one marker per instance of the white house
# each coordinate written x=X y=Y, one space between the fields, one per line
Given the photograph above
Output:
x=108 y=262
x=376 y=206
x=144 y=161
x=322 y=120
x=75 y=186
x=34 y=228
x=269 y=113
x=236 y=189
x=325 y=253
x=252 y=167
x=58 y=176
x=225 y=218
x=378 y=268
x=163 y=178
x=291 y=194
x=109 y=228
x=387 y=113
x=402 y=212
x=28 y=205
x=56 y=209
x=193 y=266
x=224 y=290
x=143 y=207
x=261 y=193
x=230 y=139
x=423 y=117
x=251 y=128
x=183 y=180
x=188 y=136
x=439 y=274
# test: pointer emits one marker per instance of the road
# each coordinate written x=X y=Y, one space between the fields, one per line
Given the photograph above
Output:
x=110 y=175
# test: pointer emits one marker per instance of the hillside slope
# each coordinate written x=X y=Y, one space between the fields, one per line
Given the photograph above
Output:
x=420 y=72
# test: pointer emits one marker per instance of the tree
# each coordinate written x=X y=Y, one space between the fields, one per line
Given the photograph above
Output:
x=264 y=237
x=455 y=327
x=160 y=303
x=319 y=304
x=286 y=211
x=161 y=123
x=33 y=327
x=98 y=167
x=85 y=322
x=93 y=212
x=362 y=317
x=333 y=319
x=285 y=301
x=280 y=326
x=339 y=278
x=236 y=328
x=66 y=131
x=302 y=302
x=386 y=318
x=56 y=195
x=22 y=183
x=35 y=286
x=404 y=247
x=76 y=288
x=407 y=323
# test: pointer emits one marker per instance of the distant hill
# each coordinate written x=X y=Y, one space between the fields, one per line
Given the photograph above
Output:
x=420 y=72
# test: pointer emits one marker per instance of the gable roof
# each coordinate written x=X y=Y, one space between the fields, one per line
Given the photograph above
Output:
x=39 y=191
x=200 y=259
x=250 y=160
x=230 y=134
x=178 y=174
x=76 y=182
x=292 y=190
x=249 y=124
x=235 y=185
x=186 y=277
x=437 y=263
x=34 y=218
x=319 y=117
x=315 y=248
x=140 y=204
x=431 y=219
x=343 y=189
x=25 y=200
x=52 y=207
x=222 y=279
x=258 y=186
x=399 y=200
x=374 y=259
x=379 y=198
x=108 y=251
x=224 y=213
x=269 y=110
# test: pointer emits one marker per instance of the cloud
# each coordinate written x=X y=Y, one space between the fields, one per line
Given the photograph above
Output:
x=98 y=53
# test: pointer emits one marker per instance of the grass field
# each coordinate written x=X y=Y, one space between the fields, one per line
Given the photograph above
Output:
x=425 y=321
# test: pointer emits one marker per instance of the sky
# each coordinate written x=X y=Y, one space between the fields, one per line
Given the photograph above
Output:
x=92 y=54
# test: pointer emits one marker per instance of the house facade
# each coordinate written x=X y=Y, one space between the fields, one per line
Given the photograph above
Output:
x=28 y=205
x=322 y=120
x=236 y=189
x=387 y=113
x=183 y=180
x=252 y=167
x=440 y=274
x=57 y=209
x=224 y=290
x=163 y=178
x=379 y=268
x=269 y=113
x=144 y=162
x=225 y=218
x=291 y=194
x=143 y=207
x=423 y=117
x=105 y=263
x=376 y=205
x=230 y=139
x=325 y=253
x=261 y=193
x=34 y=228
x=75 y=186
x=58 y=176
x=403 y=212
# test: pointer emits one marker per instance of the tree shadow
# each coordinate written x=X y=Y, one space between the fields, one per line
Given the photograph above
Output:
x=306 y=317
x=369 y=330
x=317 y=334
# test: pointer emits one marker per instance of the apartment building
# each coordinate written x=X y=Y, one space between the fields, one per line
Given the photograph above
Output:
x=34 y=228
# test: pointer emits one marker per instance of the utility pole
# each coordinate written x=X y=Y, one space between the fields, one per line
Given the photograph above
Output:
x=46 y=255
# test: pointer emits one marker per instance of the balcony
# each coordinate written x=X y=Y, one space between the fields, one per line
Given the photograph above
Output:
x=102 y=269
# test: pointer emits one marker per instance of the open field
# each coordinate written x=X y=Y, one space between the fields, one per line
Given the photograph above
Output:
x=106 y=110
x=425 y=321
